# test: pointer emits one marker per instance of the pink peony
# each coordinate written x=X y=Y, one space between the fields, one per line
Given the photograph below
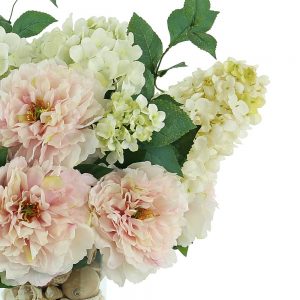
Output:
x=43 y=221
x=137 y=215
x=45 y=113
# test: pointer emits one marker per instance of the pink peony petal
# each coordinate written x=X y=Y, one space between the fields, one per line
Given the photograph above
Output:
x=45 y=113
x=138 y=214
x=43 y=221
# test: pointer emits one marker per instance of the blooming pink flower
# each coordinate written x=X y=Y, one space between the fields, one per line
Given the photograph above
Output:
x=137 y=217
x=45 y=113
x=43 y=221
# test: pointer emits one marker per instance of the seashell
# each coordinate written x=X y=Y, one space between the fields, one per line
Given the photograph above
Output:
x=29 y=292
x=97 y=297
x=96 y=266
x=82 y=284
x=10 y=294
x=53 y=293
x=91 y=255
x=58 y=280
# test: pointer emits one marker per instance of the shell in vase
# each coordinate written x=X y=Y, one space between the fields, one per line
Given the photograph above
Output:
x=98 y=297
x=24 y=292
x=82 y=284
x=10 y=294
x=53 y=293
x=91 y=255
x=58 y=280
x=29 y=292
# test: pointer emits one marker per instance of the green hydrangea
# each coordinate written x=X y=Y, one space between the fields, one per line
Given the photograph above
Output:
x=14 y=51
x=125 y=123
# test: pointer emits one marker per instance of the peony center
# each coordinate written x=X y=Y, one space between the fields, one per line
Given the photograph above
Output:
x=29 y=211
x=144 y=214
x=35 y=111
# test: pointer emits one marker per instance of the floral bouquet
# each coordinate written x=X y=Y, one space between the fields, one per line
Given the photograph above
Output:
x=104 y=174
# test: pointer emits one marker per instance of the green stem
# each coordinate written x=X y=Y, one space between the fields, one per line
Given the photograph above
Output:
x=12 y=10
x=158 y=67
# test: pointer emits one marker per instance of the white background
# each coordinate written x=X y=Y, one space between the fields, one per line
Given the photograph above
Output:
x=253 y=251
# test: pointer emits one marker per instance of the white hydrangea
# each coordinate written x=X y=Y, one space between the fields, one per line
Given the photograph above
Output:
x=125 y=123
x=224 y=101
x=14 y=51
x=99 y=45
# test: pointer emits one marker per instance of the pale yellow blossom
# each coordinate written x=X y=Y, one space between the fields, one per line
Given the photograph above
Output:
x=125 y=123
x=224 y=102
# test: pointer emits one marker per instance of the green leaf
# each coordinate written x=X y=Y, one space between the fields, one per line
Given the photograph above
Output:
x=54 y=2
x=132 y=157
x=148 y=89
x=204 y=17
x=83 y=263
x=2 y=285
x=32 y=23
x=179 y=24
x=182 y=250
x=96 y=170
x=109 y=94
x=5 y=24
x=3 y=156
x=184 y=145
x=164 y=72
x=148 y=40
x=190 y=7
x=177 y=122
x=204 y=41
x=206 y=21
x=191 y=22
x=165 y=157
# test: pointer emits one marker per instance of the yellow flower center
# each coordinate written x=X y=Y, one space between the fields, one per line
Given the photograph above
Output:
x=29 y=211
x=144 y=214
x=35 y=111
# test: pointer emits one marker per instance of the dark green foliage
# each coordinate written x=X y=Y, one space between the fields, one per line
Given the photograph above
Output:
x=32 y=23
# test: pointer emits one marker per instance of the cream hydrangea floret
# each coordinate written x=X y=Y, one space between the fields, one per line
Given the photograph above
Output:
x=14 y=51
x=100 y=45
x=125 y=123
x=224 y=101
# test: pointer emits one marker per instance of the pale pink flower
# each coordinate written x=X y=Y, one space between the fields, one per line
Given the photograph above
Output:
x=199 y=216
x=137 y=215
x=45 y=113
x=43 y=221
